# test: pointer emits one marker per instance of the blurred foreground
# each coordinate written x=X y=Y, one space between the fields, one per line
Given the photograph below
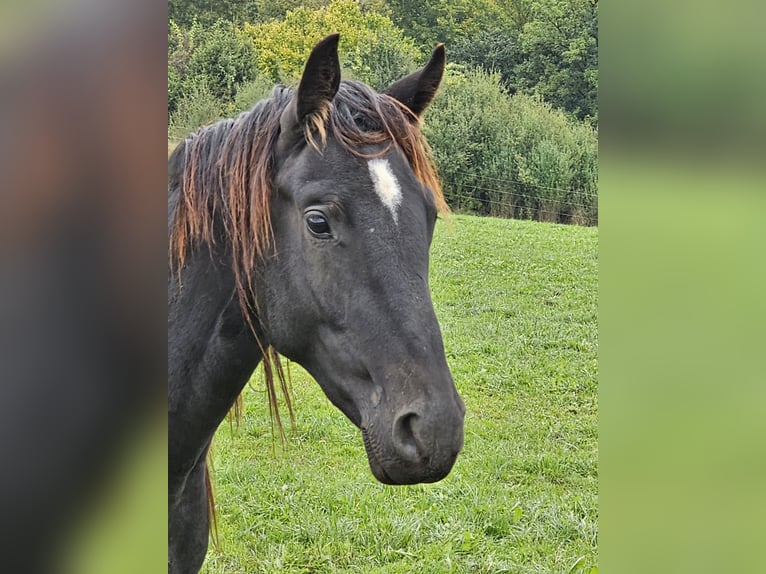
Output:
x=682 y=313
x=82 y=308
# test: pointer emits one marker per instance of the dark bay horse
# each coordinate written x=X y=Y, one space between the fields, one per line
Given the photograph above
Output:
x=303 y=227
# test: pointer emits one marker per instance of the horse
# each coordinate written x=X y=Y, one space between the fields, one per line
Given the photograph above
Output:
x=302 y=227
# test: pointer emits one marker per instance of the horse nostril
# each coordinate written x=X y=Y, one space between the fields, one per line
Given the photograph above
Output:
x=404 y=437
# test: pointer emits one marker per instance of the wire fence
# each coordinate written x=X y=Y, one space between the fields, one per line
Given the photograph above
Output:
x=506 y=193
x=506 y=203
x=540 y=214
x=528 y=184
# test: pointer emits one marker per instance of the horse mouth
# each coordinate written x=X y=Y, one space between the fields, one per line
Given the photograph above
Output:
x=407 y=474
x=375 y=466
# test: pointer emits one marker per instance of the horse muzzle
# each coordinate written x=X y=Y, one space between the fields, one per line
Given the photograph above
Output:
x=419 y=445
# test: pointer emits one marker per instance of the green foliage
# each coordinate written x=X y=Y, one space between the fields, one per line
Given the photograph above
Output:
x=516 y=301
x=380 y=58
x=278 y=9
x=560 y=55
x=506 y=139
x=252 y=92
x=468 y=18
x=371 y=48
x=221 y=58
x=544 y=47
x=417 y=18
x=195 y=108
x=511 y=155
x=468 y=142
x=429 y=21
x=492 y=50
x=207 y=12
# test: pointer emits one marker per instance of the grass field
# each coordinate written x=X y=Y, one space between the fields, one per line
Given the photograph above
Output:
x=516 y=302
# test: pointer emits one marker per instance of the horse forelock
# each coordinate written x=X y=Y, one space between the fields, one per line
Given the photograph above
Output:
x=361 y=116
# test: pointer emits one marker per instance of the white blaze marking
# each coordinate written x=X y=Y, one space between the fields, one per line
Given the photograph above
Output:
x=386 y=185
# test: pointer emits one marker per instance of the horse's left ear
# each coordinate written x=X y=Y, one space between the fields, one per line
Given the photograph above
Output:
x=308 y=111
x=321 y=79
x=418 y=89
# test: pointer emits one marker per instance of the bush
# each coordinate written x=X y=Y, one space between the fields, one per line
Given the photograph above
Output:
x=511 y=156
x=195 y=108
x=222 y=58
x=251 y=93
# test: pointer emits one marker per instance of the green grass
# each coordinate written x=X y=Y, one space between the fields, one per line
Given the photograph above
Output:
x=516 y=302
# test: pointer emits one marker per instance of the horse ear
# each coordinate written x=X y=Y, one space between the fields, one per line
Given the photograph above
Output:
x=418 y=89
x=320 y=80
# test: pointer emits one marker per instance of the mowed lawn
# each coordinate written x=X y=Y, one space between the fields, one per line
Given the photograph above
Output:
x=516 y=301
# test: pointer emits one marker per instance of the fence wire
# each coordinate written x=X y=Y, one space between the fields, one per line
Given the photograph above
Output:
x=513 y=181
x=505 y=193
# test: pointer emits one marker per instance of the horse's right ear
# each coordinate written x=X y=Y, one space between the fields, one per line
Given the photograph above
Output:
x=320 y=80
x=418 y=89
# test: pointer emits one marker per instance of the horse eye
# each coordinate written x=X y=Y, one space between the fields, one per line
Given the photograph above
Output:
x=318 y=224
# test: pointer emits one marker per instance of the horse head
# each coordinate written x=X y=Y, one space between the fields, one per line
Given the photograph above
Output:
x=344 y=291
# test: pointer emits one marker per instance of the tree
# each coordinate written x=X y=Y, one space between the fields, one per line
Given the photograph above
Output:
x=493 y=51
x=560 y=48
x=222 y=58
x=207 y=12
x=372 y=49
x=417 y=19
x=544 y=47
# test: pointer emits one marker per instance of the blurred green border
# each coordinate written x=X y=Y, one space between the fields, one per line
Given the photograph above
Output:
x=682 y=329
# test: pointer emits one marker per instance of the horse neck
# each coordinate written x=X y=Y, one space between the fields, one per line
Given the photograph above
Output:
x=212 y=350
